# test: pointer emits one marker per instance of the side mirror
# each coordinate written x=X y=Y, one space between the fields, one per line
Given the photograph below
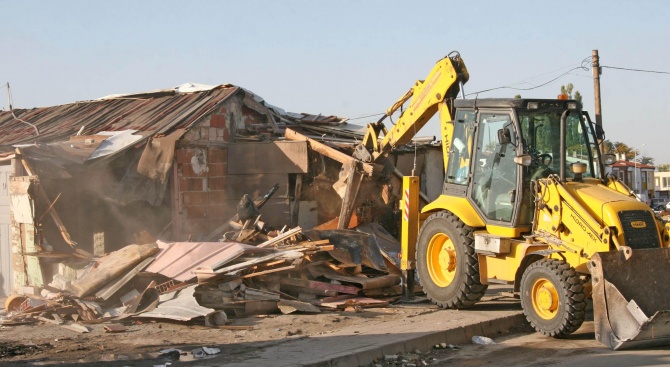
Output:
x=504 y=136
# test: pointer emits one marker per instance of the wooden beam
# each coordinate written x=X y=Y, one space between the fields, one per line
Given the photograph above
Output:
x=349 y=200
x=284 y=236
x=329 y=152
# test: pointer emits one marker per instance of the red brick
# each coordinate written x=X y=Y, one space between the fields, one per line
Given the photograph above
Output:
x=220 y=212
x=217 y=197
x=196 y=212
x=217 y=183
x=190 y=198
x=184 y=155
x=218 y=155
x=226 y=135
x=185 y=170
x=190 y=184
x=217 y=169
x=218 y=121
x=252 y=117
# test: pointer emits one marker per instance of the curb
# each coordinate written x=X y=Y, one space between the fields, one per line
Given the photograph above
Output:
x=425 y=341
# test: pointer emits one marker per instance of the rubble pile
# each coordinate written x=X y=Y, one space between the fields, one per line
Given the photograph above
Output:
x=249 y=271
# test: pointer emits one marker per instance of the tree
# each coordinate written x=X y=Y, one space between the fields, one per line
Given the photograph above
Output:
x=567 y=90
x=518 y=96
x=663 y=167
x=620 y=148
x=646 y=160
x=608 y=146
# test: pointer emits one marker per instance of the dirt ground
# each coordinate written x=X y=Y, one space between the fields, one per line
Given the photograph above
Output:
x=144 y=339
x=140 y=345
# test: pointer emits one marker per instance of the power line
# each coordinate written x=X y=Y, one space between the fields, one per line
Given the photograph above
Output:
x=638 y=70
x=531 y=88
x=366 y=116
x=585 y=65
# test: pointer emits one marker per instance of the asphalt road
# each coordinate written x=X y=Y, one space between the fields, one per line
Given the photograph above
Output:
x=534 y=349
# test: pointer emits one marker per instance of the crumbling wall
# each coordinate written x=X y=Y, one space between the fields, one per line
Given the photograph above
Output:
x=205 y=195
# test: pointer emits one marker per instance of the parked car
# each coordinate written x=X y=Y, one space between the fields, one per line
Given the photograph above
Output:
x=660 y=204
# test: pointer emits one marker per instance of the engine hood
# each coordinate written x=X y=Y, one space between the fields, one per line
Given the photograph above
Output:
x=603 y=202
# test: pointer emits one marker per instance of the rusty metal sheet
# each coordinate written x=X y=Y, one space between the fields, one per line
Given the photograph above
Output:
x=149 y=113
x=108 y=290
x=177 y=260
x=180 y=306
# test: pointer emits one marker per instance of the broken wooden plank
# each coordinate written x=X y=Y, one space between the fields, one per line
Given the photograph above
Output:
x=313 y=284
x=79 y=328
x=205 y=273
x=329 y=152
x=113 y=286
x=364 y=302
x=284 y=236
x=288 y=306
x=353 y=184
x=115 y=328
x=283 y=268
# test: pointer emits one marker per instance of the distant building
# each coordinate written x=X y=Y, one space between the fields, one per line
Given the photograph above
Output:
x=638 y=176
x=662 y=184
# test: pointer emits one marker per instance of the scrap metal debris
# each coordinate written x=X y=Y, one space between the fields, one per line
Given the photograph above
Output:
x=211 y=283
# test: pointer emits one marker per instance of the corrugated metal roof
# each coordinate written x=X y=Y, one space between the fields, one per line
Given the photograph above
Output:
x=149 y=113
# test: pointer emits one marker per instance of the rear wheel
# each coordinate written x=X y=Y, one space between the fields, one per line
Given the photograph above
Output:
x=447 y=263
x=552 y=297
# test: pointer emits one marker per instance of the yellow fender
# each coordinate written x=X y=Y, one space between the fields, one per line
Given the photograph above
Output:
x=457 y=205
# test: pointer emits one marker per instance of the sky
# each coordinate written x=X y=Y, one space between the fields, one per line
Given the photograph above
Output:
x=346 y=58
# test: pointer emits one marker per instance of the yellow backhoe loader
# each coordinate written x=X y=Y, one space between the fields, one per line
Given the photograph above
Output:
x=526 y=201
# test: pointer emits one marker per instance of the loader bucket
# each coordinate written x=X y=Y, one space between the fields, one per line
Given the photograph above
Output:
x=631 y=297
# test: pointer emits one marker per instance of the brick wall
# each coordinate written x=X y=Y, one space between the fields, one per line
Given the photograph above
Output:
x=205 y=196
x=221 y=126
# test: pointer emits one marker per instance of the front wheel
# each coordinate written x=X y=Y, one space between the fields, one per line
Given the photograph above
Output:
x=553 y=298
x=447 y=263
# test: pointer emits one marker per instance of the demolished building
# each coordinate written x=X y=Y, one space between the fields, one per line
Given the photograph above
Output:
x=90 y=178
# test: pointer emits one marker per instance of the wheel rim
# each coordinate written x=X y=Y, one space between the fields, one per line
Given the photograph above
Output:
x=545 y=299
x=441 y=259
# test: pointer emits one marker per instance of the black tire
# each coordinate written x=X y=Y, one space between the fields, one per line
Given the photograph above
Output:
x=451 y=281
x=553 y=298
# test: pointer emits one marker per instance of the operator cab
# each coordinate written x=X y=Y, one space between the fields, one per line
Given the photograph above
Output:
x=499 y=146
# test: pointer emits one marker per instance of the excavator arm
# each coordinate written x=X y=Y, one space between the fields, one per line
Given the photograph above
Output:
x=425 y=96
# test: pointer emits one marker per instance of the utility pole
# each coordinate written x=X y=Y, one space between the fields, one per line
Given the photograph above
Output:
x=595 y=62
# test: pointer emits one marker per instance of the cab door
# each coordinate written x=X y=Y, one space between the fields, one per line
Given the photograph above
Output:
x=495 y=174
